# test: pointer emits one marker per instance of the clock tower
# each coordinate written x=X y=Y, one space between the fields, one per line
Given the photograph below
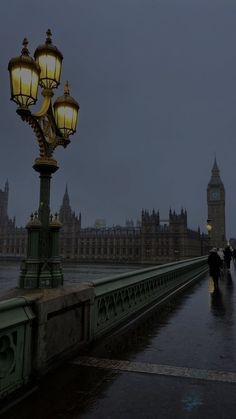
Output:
x=216 y=208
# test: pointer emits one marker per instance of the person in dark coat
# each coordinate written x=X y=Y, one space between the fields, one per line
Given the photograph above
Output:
x=215 y=265
x=234 y=255
x=227 y=256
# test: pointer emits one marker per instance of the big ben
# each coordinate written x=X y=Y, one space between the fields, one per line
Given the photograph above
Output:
x=216 y=208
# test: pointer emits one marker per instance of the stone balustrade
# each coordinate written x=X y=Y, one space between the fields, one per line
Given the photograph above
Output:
x=16 y=318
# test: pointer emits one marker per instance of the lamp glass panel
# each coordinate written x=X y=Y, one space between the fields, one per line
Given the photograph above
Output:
x=66 y=118
x=58 y=70
x=24 y=85
x=35 y=84
x=50 y=70
x=15 y=81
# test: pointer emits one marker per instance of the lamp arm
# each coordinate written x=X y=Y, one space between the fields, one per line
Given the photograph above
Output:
x=45 y=116
x=44 y=126
x=44 y=108
x=45 y=151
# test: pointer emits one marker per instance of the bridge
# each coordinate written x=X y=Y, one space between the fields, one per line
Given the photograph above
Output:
x=147 y=345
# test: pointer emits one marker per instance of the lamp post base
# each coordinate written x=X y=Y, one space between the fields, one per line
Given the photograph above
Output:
x=36 y=273
x=42 y=266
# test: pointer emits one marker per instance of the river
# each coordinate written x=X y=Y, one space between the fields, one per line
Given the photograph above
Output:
x=73 y=273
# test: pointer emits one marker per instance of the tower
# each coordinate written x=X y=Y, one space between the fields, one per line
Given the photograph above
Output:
x=4 y=203
x=65 y=210
x=71 y=226
x=216 y=207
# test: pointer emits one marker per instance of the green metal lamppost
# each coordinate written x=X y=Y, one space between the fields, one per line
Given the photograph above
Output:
x=52 y=125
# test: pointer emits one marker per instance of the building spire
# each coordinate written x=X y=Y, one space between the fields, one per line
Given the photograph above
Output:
x=215 y=166
x=66 y=199
x=65 y=210
x=215 y=174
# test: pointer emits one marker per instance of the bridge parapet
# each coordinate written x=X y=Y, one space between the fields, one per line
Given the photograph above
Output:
x=42 y=327
x=16 y=318
x=118 y=298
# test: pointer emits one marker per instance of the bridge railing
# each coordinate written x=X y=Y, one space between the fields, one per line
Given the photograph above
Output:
x=117 y=298
x=40 y=328
x=16 y=318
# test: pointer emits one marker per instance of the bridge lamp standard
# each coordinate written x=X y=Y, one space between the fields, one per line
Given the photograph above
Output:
x=209 y=228
x=52 y=126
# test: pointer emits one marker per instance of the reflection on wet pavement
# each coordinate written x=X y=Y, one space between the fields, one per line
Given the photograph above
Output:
x=200 y=321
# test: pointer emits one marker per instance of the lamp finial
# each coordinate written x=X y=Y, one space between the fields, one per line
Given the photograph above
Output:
x=49 y=36
x=25 y=50
x=66 y=88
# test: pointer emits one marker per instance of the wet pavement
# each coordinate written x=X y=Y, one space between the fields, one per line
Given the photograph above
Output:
x=178 y=362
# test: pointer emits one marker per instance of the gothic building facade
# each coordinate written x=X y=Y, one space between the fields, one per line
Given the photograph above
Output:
x=216 y=208
x=150 y=242
x=12 y=238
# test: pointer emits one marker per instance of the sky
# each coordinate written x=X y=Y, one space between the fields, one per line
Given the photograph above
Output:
x=156 y=84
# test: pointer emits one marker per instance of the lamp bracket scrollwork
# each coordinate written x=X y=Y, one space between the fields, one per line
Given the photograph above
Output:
x=44 y=126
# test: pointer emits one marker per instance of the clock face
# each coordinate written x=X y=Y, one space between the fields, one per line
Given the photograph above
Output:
x=215 y=195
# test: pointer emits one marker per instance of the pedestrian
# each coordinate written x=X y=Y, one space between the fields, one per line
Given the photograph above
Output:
x=227 y=257
x=215 y=265
x=234 y=255
x=220 y=252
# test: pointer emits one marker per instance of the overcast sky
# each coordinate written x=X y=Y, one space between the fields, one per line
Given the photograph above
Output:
x=156 y=82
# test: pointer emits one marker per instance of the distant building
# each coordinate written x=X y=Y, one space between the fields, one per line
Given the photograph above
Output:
x=100 y=223
x=12 y=238
x=216 y=208
x=149 y=241
x=129 y=223
x=71 y=227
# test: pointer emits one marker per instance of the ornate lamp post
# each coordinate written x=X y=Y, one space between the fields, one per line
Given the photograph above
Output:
x=209 y=228
x=42 y=267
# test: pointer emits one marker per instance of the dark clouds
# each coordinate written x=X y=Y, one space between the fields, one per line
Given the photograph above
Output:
x=156 y=81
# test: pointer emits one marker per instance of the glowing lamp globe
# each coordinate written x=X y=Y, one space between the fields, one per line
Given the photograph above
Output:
x=66 y=113
x=209 y=228
x=49 y=59
x=24 y=78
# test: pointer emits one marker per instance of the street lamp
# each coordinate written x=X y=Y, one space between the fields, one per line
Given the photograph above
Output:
x=42 y=267
x=209 y=228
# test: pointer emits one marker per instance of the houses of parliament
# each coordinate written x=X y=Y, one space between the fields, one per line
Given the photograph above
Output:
x=150 y=241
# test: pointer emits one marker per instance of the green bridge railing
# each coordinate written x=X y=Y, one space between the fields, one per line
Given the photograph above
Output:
x=119 y=297
x=38 y=329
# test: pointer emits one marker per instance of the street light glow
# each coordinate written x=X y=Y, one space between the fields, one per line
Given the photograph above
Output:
x=209 y=227
x=24 y=78
x=49 y=59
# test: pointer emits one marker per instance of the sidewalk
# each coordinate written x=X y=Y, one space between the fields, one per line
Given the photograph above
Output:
x=177 y=363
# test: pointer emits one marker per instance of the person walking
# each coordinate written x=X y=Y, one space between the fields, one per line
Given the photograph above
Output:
x=220 y=252
x=234 y=256
x=215 y=264
x=227 y=257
